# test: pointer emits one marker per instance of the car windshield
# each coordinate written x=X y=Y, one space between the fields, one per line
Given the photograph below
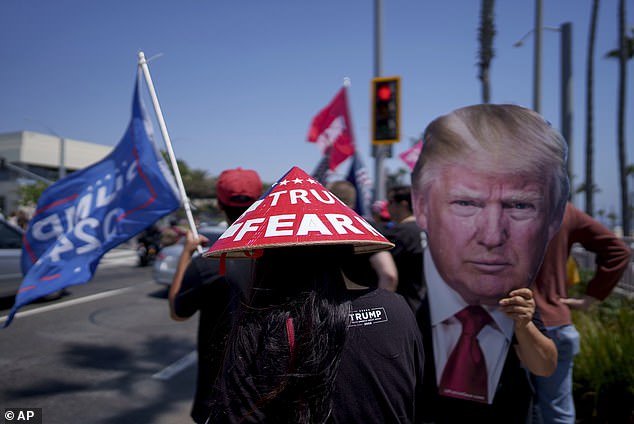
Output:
x=10 y=237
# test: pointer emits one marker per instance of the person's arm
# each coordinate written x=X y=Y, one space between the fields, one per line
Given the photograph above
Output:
x=536 y=351
x=189 y=248
x=582 y=303
x=612 y=257
x=385 y=268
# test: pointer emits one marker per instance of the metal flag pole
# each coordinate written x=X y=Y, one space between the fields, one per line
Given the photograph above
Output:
x=168 y=144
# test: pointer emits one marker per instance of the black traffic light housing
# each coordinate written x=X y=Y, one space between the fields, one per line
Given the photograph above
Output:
x=386 y=99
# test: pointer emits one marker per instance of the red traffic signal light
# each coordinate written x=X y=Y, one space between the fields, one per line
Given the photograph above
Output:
x=384 y=92
x=386 y=110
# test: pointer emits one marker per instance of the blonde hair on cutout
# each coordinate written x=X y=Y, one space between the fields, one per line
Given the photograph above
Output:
x=500 y=139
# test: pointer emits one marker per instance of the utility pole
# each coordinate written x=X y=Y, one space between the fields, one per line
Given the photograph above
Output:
x=537 y=58
x=377 y=38
x=62 y=158
x=381 y=151
x=566 y=92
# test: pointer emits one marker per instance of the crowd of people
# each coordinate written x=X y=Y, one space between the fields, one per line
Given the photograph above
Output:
x=449 y=305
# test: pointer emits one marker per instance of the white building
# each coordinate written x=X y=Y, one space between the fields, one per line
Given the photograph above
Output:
x=26 y=157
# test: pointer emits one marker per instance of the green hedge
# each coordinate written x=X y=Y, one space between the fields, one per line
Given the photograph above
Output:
x=604 y=369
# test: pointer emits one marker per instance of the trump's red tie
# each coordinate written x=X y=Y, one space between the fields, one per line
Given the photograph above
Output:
x=465 y=374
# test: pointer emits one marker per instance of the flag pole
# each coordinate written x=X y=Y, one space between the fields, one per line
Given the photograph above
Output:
x=168 y=144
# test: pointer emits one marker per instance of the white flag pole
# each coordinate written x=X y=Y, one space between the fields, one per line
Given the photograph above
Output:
x=168 y=143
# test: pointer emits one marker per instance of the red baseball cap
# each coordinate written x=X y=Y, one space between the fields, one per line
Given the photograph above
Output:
x=238 y=187
x=380 y=208
x=297 y=211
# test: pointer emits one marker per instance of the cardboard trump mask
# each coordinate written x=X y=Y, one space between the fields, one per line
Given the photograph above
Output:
x=489 y=190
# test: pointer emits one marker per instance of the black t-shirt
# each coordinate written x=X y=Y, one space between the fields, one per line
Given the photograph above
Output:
x=379 y=378
x=381 y=369
x=408 y=257
x=218 y=299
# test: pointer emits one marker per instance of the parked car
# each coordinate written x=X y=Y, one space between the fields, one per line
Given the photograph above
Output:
x=166 y=261
x=10 y=254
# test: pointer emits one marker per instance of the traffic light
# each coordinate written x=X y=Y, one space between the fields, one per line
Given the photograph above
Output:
x=386 y=98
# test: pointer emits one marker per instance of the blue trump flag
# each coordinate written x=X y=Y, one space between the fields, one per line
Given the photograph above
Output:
x=79 y=218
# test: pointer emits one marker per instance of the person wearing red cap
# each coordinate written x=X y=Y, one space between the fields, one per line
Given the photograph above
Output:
x=314 y=346
x=238 y=188
x=199 y=286
x=381 y=215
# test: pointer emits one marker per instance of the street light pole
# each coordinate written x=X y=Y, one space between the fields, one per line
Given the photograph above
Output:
x=566 y=82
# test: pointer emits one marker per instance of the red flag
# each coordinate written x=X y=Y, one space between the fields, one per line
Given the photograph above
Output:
x=410 y=156
x=331 y=129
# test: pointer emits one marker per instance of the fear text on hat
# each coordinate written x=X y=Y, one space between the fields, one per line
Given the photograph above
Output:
x=276 y=215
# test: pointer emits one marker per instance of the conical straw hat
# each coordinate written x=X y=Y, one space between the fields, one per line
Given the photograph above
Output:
x=297 y=211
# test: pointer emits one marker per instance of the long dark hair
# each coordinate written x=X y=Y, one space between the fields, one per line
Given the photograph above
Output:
x=283 y=355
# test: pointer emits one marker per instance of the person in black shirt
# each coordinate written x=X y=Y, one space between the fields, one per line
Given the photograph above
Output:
x=407 y=251
x=198 y=286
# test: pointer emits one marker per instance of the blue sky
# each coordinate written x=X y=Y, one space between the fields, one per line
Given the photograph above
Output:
x=240 y=81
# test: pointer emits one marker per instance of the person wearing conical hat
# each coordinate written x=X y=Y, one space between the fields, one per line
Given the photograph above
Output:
x=313 y=345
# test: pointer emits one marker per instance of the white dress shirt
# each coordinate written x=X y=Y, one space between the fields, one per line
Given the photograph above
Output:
x=444 y=302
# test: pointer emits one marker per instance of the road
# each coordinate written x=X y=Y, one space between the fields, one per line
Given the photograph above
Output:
x=105 y=353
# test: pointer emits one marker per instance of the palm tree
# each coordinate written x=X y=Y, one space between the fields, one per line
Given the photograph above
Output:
x=629 y=49
x=623 y=53
x=486 y=33
x=589 y=183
